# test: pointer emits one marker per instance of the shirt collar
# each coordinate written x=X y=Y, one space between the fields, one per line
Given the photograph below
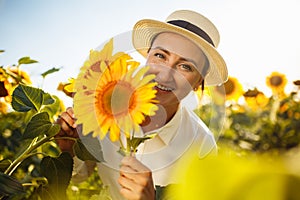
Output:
x=168 y=131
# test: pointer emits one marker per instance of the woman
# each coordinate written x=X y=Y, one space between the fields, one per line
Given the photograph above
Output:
x=181 y=53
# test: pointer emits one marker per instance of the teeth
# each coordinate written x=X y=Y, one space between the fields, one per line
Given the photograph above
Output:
x=164 y=88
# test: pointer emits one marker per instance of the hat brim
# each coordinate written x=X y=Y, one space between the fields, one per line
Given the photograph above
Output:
x=145 y=30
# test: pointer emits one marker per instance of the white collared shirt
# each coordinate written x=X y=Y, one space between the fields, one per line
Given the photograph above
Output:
x=161 y=153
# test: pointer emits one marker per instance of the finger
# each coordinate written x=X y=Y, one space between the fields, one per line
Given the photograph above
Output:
x=135 y=164
x=127 y=183
x=127 y=169
x=140 y=178
x=66 y=129
x=128 y=194
x=70 y=111
x=69 y=119
x=128 y=188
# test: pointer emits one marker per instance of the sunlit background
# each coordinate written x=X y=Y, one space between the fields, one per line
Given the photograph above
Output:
x=257 y=37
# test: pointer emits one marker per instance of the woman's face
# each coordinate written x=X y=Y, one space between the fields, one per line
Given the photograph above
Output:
x=177 y=63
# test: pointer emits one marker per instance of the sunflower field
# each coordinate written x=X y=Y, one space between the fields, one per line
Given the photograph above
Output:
x=255 y=122
x=256 y=127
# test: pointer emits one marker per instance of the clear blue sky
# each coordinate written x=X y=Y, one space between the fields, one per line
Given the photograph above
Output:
x=257 y=36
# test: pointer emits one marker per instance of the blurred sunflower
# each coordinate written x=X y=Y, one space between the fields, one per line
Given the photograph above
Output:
x=297 y=82
x=67 y=88
x=5 y=86
x=256 y=99
x=277 y=82
x=232 y=89
x=19 y=75
x=3 y=107
x=116 y=95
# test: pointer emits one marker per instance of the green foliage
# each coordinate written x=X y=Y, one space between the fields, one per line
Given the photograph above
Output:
x=9 y=185
x=40 y=123
x=38 y=131
x=92 y=188
x=50 y=71
x=91 y=152
x=26 y=98
x=26 y=60
x=272 y=128
x=57 y=171
x=31 y=164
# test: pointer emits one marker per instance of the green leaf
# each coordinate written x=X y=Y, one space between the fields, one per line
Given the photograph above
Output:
x=50 y=71
x=25 y=98
x=4 y=164
x=53 y=108
x=2 y=51
x=58 y=172
x=92 y=151
x=26 y=60
x=39 y=125
x=9 y=185
x=47 y=99
x=55 y=128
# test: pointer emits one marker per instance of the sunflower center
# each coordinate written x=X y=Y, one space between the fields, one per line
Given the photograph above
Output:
x=117 y=98
x=3 y=91
x=276 y=80
x=228 y=87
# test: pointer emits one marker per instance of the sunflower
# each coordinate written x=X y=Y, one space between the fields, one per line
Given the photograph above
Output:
x=3 y=107
x=113 y=96
x=5 y=86
x=19 y=75
x=232 y=89
x=97 y=62
x=67 y=88
x=297 y=82
x=277 y=82
x=256 y=99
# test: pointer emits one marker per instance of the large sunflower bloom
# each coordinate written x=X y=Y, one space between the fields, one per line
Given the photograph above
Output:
x=114 y=99
x=97 y=62
x=277 y=82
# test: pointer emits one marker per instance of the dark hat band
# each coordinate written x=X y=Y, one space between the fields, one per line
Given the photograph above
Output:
x=191 y=27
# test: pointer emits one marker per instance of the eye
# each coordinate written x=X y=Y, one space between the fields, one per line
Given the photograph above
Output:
x=186 y=67
x=159 y=55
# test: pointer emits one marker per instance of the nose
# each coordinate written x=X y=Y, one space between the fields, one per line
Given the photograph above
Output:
x=165 y=74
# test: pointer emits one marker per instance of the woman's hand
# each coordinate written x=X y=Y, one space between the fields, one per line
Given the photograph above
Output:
x=68 y=129
x=136 y=180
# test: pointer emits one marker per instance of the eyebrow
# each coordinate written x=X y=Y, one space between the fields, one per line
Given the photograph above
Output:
x=181 y=58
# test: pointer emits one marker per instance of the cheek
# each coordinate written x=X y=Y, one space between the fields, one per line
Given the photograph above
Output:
x=185 y=82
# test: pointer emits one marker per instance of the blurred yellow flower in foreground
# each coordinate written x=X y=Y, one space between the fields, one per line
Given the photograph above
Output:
x=229 y=177
x=113 y=97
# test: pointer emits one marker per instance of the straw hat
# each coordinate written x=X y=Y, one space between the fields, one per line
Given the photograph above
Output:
x=192 y=25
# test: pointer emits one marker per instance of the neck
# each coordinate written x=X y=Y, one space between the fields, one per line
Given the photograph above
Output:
x=162 y=116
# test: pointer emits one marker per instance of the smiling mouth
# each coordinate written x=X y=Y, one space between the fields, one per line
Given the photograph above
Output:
x=164 y=88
